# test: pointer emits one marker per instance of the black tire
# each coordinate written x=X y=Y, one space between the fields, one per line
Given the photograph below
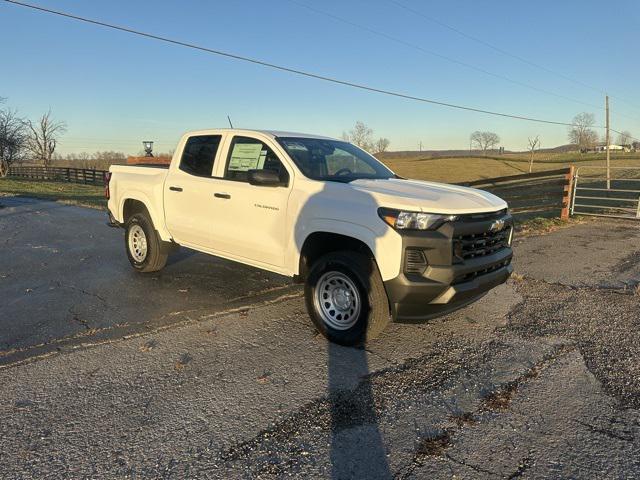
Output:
x=157 y=251
x=363 y=272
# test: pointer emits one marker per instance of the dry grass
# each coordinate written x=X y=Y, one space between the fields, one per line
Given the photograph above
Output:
x=70 y=193
x=466 y=169
x=434 y=444
x=464 y=418
x=184 y=360
x=501 y=398
x=517 y=277
x=541 y=225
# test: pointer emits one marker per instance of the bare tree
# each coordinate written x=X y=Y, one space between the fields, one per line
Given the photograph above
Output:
x=484 y=140
x=581 y=133
x=361 y=135
x=43 y=137
x=624 y=138
x=381 y=145
x=13 y=137
x=534 y=144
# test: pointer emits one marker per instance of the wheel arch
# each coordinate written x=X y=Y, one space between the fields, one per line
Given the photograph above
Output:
x=384 y=245
x=137 y=202
x=320 y=243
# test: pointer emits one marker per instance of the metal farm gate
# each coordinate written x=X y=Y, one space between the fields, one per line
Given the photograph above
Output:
x=617 y=196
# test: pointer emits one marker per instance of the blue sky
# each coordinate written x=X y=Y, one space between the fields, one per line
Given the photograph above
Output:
x=114 y=89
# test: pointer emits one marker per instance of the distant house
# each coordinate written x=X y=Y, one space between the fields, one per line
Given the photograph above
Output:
x=612 y=148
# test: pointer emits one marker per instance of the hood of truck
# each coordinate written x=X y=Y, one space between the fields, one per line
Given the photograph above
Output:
x=431 y=197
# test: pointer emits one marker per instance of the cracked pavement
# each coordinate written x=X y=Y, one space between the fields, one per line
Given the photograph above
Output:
x=539 y=379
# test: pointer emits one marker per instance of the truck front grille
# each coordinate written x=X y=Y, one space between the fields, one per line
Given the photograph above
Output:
x=480 y=244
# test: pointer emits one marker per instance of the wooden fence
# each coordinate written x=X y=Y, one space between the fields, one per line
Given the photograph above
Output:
x=532 y=194
x=87 y=176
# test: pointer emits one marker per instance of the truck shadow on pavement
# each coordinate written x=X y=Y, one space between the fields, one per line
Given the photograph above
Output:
x=357 y=446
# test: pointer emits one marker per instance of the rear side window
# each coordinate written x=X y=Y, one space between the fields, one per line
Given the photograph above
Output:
x=251 y=154
x=199 y=154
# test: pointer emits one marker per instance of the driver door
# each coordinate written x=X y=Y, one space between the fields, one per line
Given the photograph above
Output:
x=252 y=218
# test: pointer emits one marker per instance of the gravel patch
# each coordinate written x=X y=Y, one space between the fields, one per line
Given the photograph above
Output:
x=604 y=324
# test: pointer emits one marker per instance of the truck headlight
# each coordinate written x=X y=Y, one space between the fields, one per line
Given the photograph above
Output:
x=403 y=220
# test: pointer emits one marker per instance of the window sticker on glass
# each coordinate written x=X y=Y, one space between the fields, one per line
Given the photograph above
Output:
x=247 y=156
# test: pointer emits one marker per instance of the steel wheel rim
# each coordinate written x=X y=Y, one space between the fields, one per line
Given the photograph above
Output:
x=337 y=300
x=137 y=243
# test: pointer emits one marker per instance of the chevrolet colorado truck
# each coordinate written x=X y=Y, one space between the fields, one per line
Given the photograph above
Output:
x=370 y=247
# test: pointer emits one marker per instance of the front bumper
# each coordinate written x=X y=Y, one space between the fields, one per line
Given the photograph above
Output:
x=452 y=277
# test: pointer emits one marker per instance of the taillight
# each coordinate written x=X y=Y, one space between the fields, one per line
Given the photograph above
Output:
x=107 y=179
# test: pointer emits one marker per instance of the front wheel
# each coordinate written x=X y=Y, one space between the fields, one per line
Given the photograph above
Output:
x=346 y=299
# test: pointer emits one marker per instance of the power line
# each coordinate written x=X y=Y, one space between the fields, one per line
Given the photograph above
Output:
x=288 y=69
x=623 y=133
x=283 y=68
x=439 y=55
x=500 y=50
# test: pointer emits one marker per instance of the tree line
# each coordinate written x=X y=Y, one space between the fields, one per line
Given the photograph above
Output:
x=581 y=134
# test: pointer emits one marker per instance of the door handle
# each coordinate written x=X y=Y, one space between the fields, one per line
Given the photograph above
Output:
x=175 y=189
x=226 y=196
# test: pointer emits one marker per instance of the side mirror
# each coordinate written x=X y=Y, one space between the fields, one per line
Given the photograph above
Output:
x=266 y=178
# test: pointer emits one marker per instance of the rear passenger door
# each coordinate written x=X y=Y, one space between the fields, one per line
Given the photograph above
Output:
x=252 y=218
x=189 y=204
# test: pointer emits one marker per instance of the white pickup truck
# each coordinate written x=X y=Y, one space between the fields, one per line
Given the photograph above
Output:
x=370 y=246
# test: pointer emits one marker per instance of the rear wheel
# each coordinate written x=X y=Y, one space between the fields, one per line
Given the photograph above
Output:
x=145 y=250
x=346 y=299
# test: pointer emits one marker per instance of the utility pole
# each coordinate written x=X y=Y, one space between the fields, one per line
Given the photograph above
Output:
x=606 y=107
x=421 y=145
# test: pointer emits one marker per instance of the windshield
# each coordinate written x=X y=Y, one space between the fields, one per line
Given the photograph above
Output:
x=333 y=160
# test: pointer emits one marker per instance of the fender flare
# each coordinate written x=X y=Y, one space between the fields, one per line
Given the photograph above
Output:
x=156 y=218
x=388 y=266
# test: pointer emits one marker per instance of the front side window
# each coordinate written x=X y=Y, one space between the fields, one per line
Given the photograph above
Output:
x=333 y=160
x=199 y=154
x=247 y=154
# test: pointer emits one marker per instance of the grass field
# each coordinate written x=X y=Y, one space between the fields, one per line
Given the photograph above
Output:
x=74 y=194
x=466 y=169
x=406 y=164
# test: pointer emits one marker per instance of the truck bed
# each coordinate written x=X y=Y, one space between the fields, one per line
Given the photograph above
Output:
x=143 y=183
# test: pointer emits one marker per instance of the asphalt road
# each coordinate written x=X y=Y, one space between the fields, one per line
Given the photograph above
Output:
x=65 y=279
x=212 y=370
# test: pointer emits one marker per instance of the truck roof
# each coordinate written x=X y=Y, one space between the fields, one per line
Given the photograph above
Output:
x=270 y=133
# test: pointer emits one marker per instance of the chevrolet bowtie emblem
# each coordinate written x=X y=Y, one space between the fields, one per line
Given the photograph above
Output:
x=497 y=226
